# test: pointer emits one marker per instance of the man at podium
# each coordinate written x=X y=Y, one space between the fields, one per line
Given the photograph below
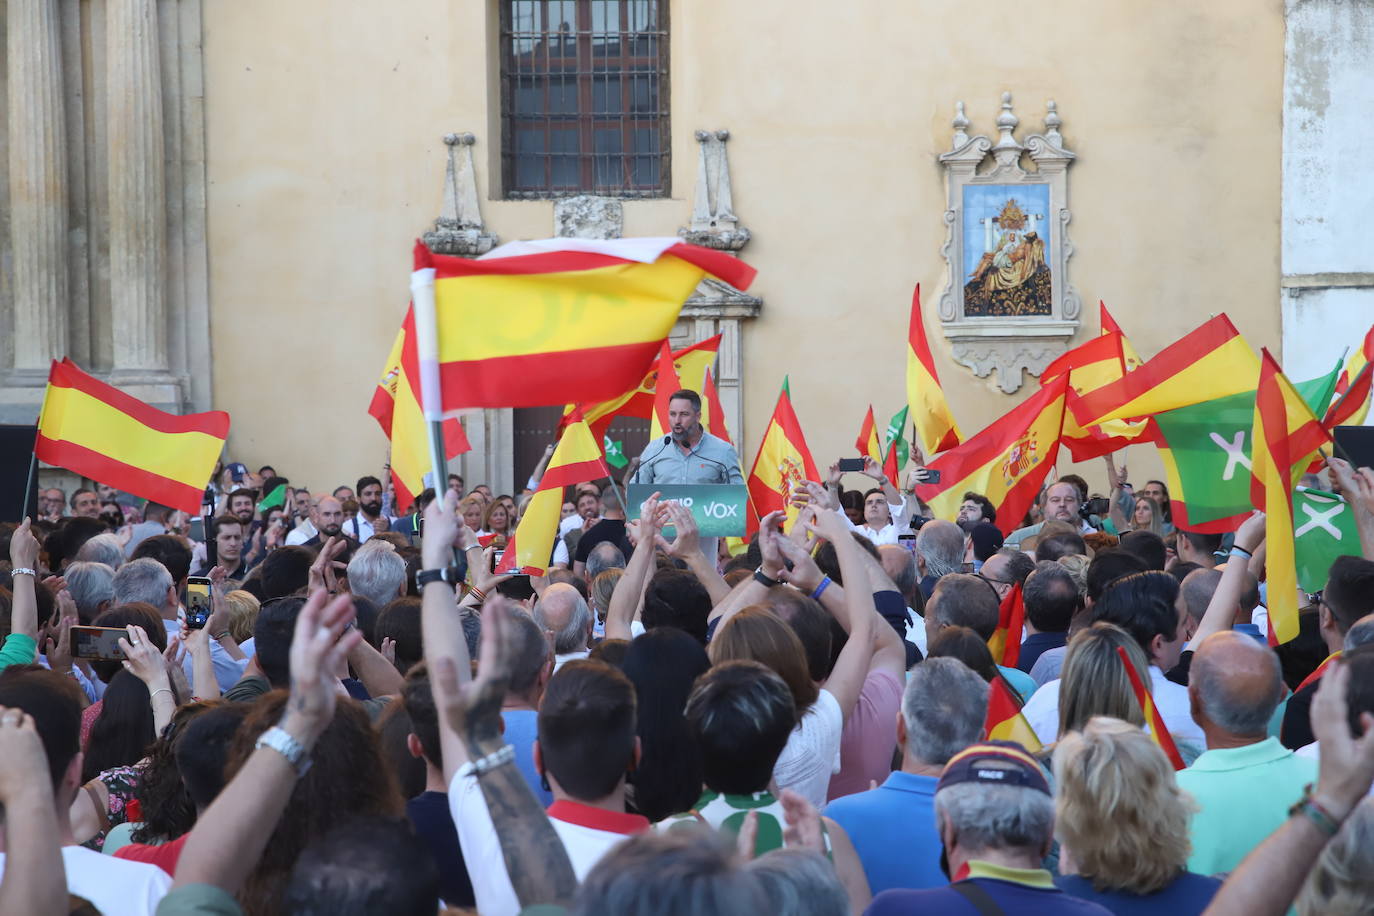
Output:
x=688 y=453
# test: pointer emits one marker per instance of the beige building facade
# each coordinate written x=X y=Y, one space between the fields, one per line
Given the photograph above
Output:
x=303 y=153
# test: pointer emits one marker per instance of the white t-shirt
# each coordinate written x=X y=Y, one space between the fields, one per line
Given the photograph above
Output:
x=587 y=834
x=812 y=754
x=116 y=887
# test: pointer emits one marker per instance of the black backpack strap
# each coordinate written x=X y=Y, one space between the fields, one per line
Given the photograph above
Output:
x=980 y=899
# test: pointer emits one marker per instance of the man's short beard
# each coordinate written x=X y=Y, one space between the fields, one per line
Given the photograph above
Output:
x=371 y=510
x=331 y=531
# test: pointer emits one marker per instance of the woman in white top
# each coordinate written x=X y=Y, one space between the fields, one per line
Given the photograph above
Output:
x=812 y=754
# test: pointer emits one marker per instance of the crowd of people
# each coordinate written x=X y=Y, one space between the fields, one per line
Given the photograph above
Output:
x=370 y=720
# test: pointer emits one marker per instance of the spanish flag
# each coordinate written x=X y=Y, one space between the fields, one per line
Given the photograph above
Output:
x=1090 y=366
x=664 y=387
x=935 y=426
x=1285 y=435
x=689 y=363
x=1005 y=643
x=1158 y=730
x=712 y=413
x=1351 y=403
x=1210 y=362
x=782 y=464
x=867 y=443
x=538 y=323
x=98 y=431
x=577 y=459
x=396 y=407
x=1129 y=355
x=1006 y=462
x=1004 y=721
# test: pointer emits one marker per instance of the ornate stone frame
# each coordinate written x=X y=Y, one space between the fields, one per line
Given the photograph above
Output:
x=1013 y=343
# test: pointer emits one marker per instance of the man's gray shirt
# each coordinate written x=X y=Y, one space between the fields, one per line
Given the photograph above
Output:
x=712 y=460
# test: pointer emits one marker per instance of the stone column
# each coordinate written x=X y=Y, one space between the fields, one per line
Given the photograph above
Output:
x=38 y=183
x=138 y=211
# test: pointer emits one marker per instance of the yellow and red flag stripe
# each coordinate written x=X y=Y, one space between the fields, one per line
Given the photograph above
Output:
x=783 y=462
x=98 y=431
x=867 y=443
x=1005 y=643
x=396 y=407
x=571 y=320
x=936 y=430
x=1006 y=462
x=1092 y=365
x=689 y=362
x=576 y=459
x=666 y=384
x=1129 y=355
x=1210 y=362
x=1351 y=402
x=1004 y=720
x=1158 y=730
x=712 y=413
x=1285 y=433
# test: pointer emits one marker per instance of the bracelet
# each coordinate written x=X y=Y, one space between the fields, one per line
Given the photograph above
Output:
x=767 y=581
x=218 y=636
x=496 y=758
x=1237 y=549
x=820 y=589
x=154 y=694
x=1317 y=815
x=23 y=571
x=474 y=590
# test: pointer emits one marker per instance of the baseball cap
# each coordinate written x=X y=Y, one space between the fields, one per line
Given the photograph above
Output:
x=1003 y=763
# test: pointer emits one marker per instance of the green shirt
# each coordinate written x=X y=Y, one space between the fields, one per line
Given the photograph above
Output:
x=1244 y=794
x=18 y=649
x=726 y=813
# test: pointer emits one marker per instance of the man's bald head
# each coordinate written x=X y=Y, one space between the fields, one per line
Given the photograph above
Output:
x=1235 y=685
x=940 y=546
x=900 y=566
x=329 y=516
x=1197 y=589
x=563 y=611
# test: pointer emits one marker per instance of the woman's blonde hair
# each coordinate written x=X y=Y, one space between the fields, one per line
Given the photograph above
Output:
x=1342 y=881
x=757 y=634
x=603 y=586
x=243 y=614
x=491 y=507
x=1093 y=683
x=1077 y=566
x=1156 y=520
x=1118 y=808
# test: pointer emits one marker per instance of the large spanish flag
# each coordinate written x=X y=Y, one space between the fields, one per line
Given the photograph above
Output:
x=396 y=407
x=1006 y=462
x=666 y=384
x=1285 y=434
x=712 y=411
x=689 y=363
x=98 y=431
x=783 y=462
x=1351 y=402
x=1153 y=721
x=1005 y=644
x=936 y=430
x=577 y=459
x=538 y=323
x=1210 y=362
x=1004 y=720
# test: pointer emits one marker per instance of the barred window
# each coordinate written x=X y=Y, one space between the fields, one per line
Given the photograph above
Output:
x=584 y=98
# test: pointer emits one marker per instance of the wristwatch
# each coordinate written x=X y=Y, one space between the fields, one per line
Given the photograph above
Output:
x=453 y=575
x=280 y=740
x=767 y=581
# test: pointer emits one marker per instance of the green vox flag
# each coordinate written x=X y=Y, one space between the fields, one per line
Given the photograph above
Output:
x=276 y=498
x=1323 y=529
x=895 y=427
x=615 y=453
x=1206 y=452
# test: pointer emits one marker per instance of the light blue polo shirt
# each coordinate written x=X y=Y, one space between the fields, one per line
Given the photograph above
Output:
x=713 y=460
x=893 y=831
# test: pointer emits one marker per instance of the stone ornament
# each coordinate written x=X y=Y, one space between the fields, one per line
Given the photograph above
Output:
x=1008 y=305
x=459 y=230
x=714 y=224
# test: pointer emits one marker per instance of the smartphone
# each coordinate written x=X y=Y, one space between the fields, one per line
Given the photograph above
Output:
x=851 y=464
x=419 y=525
x=197 y=602
x=496 y=558
x=908 y=541
x=237 y=472
x=1355 y=444
x=98 y=642
x=197 y=532
x=927 y=475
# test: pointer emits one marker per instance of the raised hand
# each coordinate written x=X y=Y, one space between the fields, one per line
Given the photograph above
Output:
x=688 y=538
x=320 y=646
x=1250 y=534
x=142 y=658
x=59 y=651
x=833 y=475
x=24 y=547
x=804 y=573
x=1346 y=767
x=473 y=710
x=770 y=537
x=825 y=523
x=323 y=570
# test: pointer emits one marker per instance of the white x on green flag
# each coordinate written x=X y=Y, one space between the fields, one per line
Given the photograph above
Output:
x=1323 y=529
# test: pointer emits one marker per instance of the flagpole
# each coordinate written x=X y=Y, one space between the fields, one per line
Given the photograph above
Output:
x=28 y=487
x=427 y=352
x=1354 y=383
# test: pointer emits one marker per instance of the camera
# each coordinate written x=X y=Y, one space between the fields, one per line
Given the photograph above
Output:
x=1098 y=505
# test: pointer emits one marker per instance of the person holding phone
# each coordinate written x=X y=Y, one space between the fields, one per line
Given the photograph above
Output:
x=885 y=512
x=688 y=453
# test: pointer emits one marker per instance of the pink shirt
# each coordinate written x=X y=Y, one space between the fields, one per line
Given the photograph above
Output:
x=869 y=737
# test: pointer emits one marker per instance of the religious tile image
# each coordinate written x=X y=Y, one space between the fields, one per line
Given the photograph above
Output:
x=1006 y=235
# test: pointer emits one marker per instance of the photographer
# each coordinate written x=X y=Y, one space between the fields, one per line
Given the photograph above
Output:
x=1063 y=502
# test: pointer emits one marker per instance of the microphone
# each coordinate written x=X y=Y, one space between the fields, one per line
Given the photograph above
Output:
x=667 y=440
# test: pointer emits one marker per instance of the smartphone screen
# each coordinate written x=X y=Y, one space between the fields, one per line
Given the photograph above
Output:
x=851 y=464
x=98 y=642
x=908 y=541
x=197 y=601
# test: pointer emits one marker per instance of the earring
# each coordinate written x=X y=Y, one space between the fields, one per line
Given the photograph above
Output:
x=544 y=782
